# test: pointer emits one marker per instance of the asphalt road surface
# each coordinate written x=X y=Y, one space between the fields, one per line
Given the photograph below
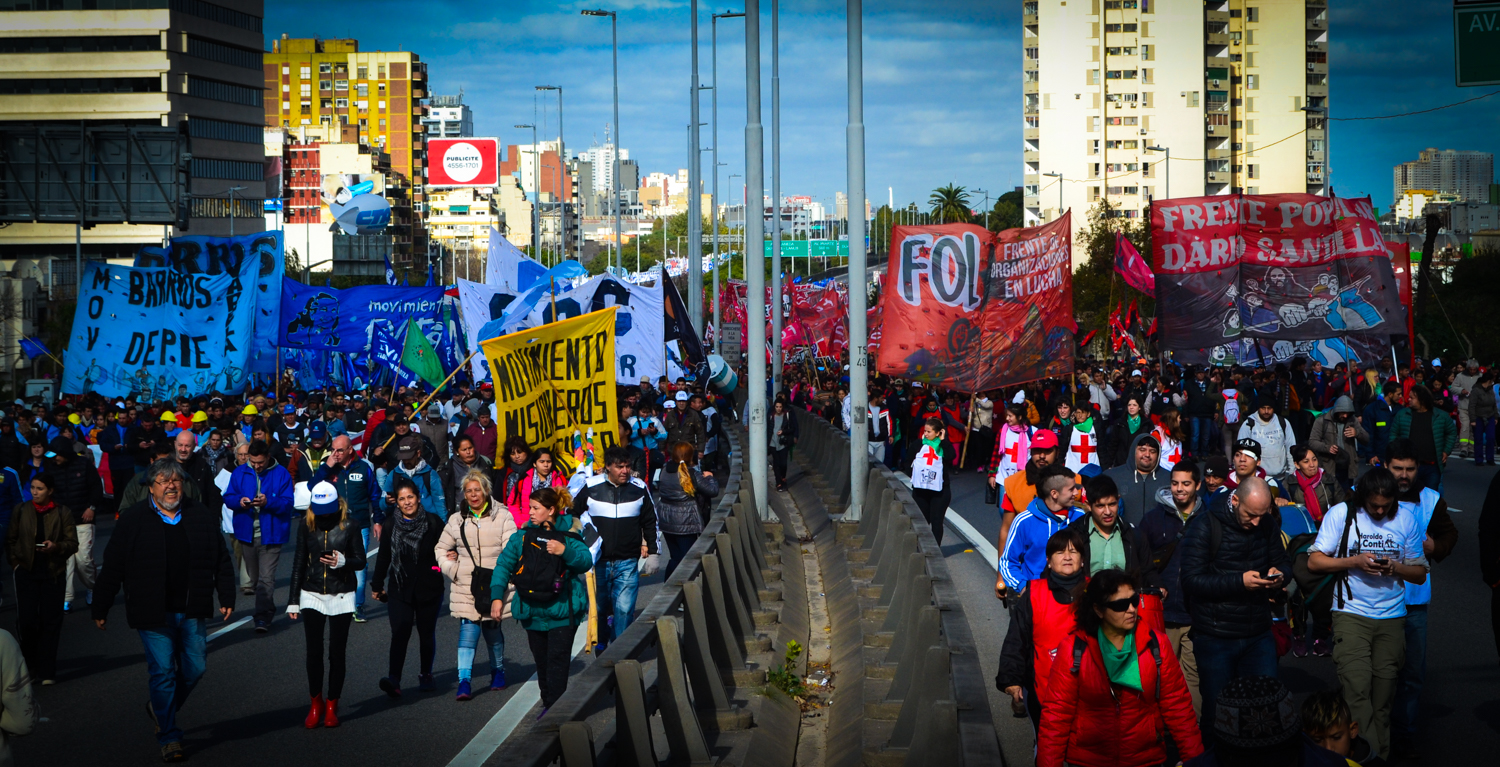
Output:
x=248 y=709
x=1461 y=699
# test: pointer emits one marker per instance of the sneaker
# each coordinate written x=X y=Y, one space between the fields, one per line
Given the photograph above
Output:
x=247 y=592
x=172 y=752
x=48 y=682
x=1322 y=646
x=391 y=687
x=359 y=614
x=425 y=683
x=1299 y=646
x=497 y=679
x=262 y=627
x=465 y=690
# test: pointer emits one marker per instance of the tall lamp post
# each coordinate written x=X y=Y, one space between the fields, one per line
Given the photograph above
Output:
x=1059 y=178
x=713 y=215
x=859 y=362
x=776 y=350
x=562 y=159
x=536 y=202
x=1168 y=170
x=614 y=185
x=755 y=282
x=232 y=190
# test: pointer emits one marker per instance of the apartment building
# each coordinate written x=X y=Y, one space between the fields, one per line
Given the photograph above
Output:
x=1466 y=174
x=102 y=66
x=448 y=117
x=1235 y=92
x=380 y=94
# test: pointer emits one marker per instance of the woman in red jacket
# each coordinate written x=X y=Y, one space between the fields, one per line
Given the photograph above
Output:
x=1040 y=620
x=1114 y=692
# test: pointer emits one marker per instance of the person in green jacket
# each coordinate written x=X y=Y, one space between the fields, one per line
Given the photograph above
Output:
x=550 y=623
x=1433 y=433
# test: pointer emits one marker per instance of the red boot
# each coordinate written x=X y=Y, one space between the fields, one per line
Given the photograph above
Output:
x=314 y=713
x=331 y=717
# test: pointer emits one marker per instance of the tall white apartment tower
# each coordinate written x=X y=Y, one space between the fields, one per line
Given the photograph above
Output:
x=1235 y=90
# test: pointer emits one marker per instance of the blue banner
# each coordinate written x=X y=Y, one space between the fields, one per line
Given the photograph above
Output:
x=219 y=255
x=330 y=319
x=160 y=332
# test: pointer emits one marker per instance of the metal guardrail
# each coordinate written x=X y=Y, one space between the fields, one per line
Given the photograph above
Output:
x=936 y=706
x=702 y=625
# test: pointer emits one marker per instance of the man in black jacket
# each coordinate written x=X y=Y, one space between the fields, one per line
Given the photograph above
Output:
x=79 y=489
x=168 y=554
x=1108 y=539
x=1163 y=528
x=185 y=450
x=625 y=517
x=13 y=452
x=1233 y=566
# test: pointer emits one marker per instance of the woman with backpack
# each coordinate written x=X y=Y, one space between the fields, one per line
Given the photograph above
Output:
x=408 y=579
x=550 y=601
x=1115 y=689
x=472 y=539
x=330 y=554
x=679 y=512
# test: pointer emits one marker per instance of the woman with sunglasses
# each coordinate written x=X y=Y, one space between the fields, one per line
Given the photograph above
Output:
x=1113 y=688
x=1039 y=621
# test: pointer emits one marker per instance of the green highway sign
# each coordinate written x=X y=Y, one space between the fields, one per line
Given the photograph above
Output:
x=811 y=248
x=1476 y=38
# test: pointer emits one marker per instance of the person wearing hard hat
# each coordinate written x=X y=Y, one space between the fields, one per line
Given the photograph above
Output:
x=170 y=424
x=249 y=417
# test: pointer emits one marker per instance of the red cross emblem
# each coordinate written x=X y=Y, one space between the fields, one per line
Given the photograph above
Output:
x=930 y=456
x=1084 y=449
x=1014 y=452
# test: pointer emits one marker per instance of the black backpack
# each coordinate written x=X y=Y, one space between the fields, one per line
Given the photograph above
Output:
x=539 y=574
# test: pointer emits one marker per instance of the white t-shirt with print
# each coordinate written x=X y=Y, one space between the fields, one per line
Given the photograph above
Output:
x=1373 y=596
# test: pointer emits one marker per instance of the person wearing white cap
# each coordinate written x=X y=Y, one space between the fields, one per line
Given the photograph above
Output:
x=330 y=554
x=685 y=424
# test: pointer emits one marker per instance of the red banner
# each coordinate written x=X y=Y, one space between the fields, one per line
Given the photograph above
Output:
x=971 y=310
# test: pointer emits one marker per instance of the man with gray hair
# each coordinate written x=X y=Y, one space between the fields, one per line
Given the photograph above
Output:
x=168 y=553
x=1233 y=563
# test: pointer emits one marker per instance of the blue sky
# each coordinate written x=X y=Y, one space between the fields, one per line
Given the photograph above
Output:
x=942 y=83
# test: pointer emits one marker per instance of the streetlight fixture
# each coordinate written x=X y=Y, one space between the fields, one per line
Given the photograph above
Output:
x=232 y=190
x=713 y=219
x=614 y=185
x=1168 y=152
x=536 y=188
x=562 y=155
x=1059 y=178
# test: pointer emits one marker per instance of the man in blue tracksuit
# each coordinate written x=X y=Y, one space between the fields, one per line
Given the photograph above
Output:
x=1025 y=554
x=354 y=478
x=260 y=495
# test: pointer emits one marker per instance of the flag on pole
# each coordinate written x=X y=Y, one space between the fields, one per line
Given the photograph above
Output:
x=430 y=281
x=390 y=274
x=1130 y=265
x=419 y=357
x=34 y=348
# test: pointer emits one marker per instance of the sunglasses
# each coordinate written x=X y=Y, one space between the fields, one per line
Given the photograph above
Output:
x=1121 y=605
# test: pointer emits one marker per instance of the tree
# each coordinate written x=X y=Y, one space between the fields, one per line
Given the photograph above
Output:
x=950 y=204
x=1008 y=213
x=880 y=229
x=1094 y=284
x=292 y=262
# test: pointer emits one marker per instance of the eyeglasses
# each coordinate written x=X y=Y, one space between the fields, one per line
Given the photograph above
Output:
x=1121 y=605
x=166 y=482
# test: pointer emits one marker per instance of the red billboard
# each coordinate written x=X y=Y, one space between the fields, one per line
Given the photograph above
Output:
x=463 y=162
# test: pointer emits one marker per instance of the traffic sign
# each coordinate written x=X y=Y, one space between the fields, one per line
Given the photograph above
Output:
x=811 y=248
x=1476 y=37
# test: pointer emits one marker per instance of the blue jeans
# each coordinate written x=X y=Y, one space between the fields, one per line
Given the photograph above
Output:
x=620 y=579
x=363 y=574
x=1484 y=440
x=468 y=643
x=1221 y=661
x=1201 y=438
x=175 y=660
x=1430 y=475
x=1413 y=673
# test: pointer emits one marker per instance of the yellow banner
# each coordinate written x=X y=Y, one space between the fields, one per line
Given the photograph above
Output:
x=555 y=386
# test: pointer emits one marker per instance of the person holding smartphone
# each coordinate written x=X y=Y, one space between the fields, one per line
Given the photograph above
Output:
x=260 y=495
x=1375 y=548
x=39 y=541
x=330 y=556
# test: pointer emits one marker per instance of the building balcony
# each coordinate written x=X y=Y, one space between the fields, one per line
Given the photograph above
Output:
x=1028 y=19
x=1220 y=154
x=1216 y=40
x=1211 y=17
x=1317 y=46
x=1315 y=23
x=1217 y=131
x=1317 y=68
x=1032 y=133
x=1216 y=61
x=1030 y=156
x=1030 y=87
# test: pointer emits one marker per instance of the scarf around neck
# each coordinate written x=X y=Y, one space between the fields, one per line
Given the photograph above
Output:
x=1121 y=664
x=935 y=444
x=1086 y=425
x=406 y=538
x=1133 y=422
x=1309 y=487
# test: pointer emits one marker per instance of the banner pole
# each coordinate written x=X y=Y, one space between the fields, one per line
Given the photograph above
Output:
x=422 y=407
x=964 y=454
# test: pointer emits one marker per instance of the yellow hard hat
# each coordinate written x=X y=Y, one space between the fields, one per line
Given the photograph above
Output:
x=74 y=419
x=249 y=410
x=200 y=417
x=169 y=417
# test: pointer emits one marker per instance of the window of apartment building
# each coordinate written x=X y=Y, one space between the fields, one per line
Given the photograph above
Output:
x=380 y=105
x=1123 y=144
x=1121 y=51
x=286 y=69
x=340 y=68
x=362 y=72
x=363 y=123
x=1093 y=77
x=1093 y=193
x=1252 y=14
x=286 y=88
x=1093 y=123
x=1235 y=13
x=305 y=89
x=1031 y=76
x=1250 y=37
x=1250 y=127
x=341 y=103
x=1093 y=146
x=1121 y=167
x=380 y=88
x=286 y=106
x=382 y=125
x=1148 y=76
x=363 y=89
x=1112 y=5
x=1124 y=121
x=305 y=73
x=341 y=85
x=1217 y=118
x=1192 y=98
x=1032 y=53
x=1119 y=27
x=1238 y=125
x=325 y=103
x=307 y=106
x=1252 y=190
x=1249 y=59
x=380 y=71
x=1148 y=170
x=1253 y=171
x=1120 y=74
x=325 y=85
x=1124 y=190
x=1252 y=82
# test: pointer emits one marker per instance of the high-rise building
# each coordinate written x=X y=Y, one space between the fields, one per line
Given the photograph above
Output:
x=311 y=82
x=840 y=205
x=603 y=158
x=1463 y=173
x=448 y=117
x=1235 y=90
x=192 y=67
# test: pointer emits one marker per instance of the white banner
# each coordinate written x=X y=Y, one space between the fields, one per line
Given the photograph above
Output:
x=508 y=268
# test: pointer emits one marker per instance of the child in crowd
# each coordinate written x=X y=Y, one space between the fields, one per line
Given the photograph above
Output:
x=1327 y=722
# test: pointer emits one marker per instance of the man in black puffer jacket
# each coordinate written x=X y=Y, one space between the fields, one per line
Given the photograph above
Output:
x=1224 y=553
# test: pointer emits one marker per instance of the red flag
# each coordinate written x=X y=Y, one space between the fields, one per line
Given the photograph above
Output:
x=1088 y=338
x=1133 y=317
x=1132 y=267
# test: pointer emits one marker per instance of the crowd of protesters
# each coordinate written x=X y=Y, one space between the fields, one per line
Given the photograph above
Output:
x=1167 y=533
x=371 y=499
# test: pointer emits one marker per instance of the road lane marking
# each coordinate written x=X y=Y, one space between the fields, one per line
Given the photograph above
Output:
x=246 y=619
x=508 y=718
x=962 y=526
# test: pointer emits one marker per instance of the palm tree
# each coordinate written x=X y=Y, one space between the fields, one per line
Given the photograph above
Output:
x=950 y=203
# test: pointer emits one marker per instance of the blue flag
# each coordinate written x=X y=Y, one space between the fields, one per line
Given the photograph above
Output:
x=390 y=274
x=34 y=348
x=430 y=280
x=345 y=320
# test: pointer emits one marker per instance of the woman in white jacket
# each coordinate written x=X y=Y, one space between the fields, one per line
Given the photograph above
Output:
x=472 y=539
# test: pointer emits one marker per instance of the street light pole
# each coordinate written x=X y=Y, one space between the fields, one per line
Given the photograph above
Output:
x=755 y=282
x=713 y=215
x=695 y=192
x=1059 y=178
x=536 y=202
x=859 y=363
x=232 y=190
x=614 y=186
x=1167 y=176
x=562 y=159
x=776 y=350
